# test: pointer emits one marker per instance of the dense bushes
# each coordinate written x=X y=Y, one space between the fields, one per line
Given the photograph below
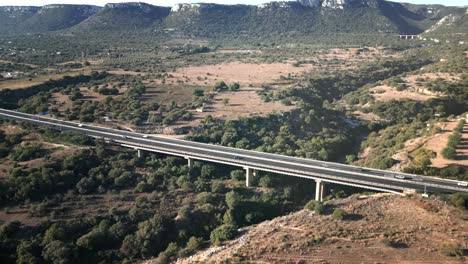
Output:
x=450 y=152
x=315 y=206
x=222 y=233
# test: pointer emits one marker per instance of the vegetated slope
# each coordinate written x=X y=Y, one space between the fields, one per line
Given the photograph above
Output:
x=56 y=17
x=122 y=17
x=450 y=24
x=285 y=19
x=378 y=228
x=12 y=16
x=297 y=18
x=431 y=13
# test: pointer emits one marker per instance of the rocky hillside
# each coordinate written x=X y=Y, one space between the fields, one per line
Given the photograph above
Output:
x=286 y=19
x=304 y=17
x=122 y=17
x=43 y=19
x=450 y=24
x=381 y=228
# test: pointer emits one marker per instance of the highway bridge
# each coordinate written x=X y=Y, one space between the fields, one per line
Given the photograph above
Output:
x=252 y=161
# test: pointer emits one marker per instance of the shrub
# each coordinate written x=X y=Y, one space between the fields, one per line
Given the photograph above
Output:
x=315 y=206
x=387 y=242
x=339 y=214
x=459 y=200
x=238 y=175
x=198 y=92
x=449 y=153
x=451 y=249
x=222 y=233
x=310 y=205
x=265 y=182
x=319 y=207
x=234 y=87
x=194 y=243
x=220 y=86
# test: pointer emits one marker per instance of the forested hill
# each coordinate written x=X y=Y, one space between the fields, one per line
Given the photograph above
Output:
x=301 y=17
x=27 y=19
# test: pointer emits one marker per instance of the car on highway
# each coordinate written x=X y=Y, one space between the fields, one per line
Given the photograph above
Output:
x=237 y=158
x=80 y=125
x=399 y=176
x=145 y=136
x=125 y=137
x=464 y=184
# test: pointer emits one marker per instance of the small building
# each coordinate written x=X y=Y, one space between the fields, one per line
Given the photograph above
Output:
x=200 y=109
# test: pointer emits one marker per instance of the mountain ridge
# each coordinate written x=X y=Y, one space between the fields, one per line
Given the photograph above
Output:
x=212 y=20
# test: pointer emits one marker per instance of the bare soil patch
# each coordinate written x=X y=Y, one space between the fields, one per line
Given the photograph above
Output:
x=235 y=51
x=14 y=84
x=438 y=142
x=124 y=72
x=366 y=116
x=243 y=73
x=245 y=102
x=412 y=80
x=387 y=93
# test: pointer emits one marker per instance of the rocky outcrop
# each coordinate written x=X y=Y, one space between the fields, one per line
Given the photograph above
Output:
x=142 y=6
x=336 y=4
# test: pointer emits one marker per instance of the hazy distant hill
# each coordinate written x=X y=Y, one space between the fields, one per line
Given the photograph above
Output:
x=12 y=16
x=123 y=17
x=450 y=24
x=302 y=17
x=43 y=19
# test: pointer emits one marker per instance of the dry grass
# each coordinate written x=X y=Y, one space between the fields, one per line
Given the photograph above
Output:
x=439 y=142
x=243 y=73
x=243 y=103
x=414 y=228
x=14 y=84
x=387 y=93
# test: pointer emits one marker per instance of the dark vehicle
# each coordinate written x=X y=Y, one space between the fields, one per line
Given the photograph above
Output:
x=237 y=158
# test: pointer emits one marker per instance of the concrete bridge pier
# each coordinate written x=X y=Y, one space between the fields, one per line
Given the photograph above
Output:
x=140 y=153
x=319 y=189
x=189 y=163
x=249 y=174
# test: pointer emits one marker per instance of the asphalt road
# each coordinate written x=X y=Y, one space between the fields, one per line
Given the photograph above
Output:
x=327 y=171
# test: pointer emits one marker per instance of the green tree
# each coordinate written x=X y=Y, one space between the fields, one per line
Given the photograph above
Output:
x=233 y=199
x=223 y=233
x=221 y=85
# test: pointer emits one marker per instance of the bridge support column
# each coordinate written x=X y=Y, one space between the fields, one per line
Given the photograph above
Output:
x=249 y=174
x=189 y=163
x=319 y=189
x=140 y=153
